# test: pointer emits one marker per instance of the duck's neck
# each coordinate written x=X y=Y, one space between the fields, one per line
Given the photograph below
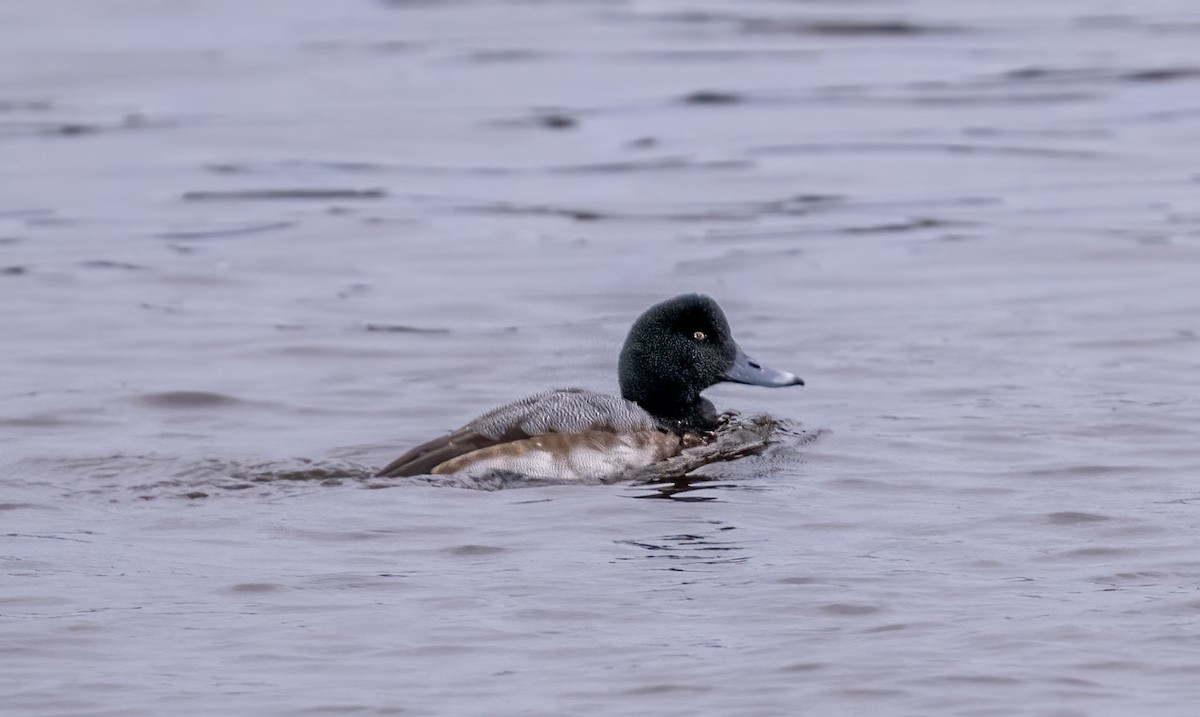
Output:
x=692 y=414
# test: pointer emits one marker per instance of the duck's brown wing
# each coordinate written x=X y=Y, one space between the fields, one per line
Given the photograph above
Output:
x=427 y=456
x=564 y=410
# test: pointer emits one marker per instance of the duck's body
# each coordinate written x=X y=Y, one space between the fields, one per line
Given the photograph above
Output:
x=675 y=350
x=590 y=455
x=567 y=433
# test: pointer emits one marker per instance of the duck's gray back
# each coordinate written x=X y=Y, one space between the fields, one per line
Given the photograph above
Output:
x=563 y=410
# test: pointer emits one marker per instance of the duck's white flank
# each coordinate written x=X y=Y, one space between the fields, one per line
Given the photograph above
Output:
x=584 y=456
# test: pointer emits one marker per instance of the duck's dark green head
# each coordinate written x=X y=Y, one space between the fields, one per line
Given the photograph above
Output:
x=677 y=349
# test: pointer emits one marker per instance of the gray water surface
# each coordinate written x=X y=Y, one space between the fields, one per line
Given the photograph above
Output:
x=251 y=251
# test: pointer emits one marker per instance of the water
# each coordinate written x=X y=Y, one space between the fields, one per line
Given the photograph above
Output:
x=250 y=251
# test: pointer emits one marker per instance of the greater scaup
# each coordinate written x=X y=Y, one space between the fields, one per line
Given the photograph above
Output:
x=675 y=350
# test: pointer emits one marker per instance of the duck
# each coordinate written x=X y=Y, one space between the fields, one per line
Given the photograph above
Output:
x=674 y=351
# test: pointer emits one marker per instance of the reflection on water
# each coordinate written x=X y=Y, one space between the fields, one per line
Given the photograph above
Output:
x=680 y=489
x=710 y=546
x=248 y=254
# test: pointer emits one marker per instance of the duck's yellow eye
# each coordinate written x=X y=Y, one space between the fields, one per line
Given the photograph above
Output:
x=699 y=336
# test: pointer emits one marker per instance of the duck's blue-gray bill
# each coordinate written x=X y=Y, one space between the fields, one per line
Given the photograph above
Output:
x=747 y=370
